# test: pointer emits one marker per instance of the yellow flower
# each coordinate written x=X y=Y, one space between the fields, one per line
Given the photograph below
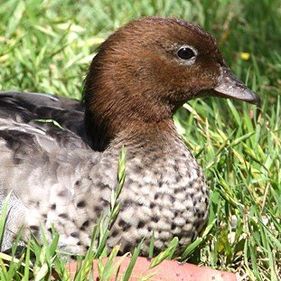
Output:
x=244 y=55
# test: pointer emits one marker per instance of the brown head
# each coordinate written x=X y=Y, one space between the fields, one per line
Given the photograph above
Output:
x=146 y=70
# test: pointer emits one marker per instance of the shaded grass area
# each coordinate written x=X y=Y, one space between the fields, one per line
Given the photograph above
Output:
x=46 y=46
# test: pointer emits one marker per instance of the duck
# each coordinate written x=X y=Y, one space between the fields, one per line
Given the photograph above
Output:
x=61 y=174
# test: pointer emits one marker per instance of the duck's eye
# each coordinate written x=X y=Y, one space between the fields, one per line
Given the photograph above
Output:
x=185 y=53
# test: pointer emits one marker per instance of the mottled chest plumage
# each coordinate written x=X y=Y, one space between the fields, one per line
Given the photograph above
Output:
x=163 y=196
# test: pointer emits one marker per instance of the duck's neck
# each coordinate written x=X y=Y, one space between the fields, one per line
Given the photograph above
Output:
x=114 y=103
x=101 y=134
x=148 y=136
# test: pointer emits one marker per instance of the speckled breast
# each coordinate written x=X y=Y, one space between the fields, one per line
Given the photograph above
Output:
x=162 y=196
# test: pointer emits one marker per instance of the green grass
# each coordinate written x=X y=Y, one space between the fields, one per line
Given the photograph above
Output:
x=46 y=46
